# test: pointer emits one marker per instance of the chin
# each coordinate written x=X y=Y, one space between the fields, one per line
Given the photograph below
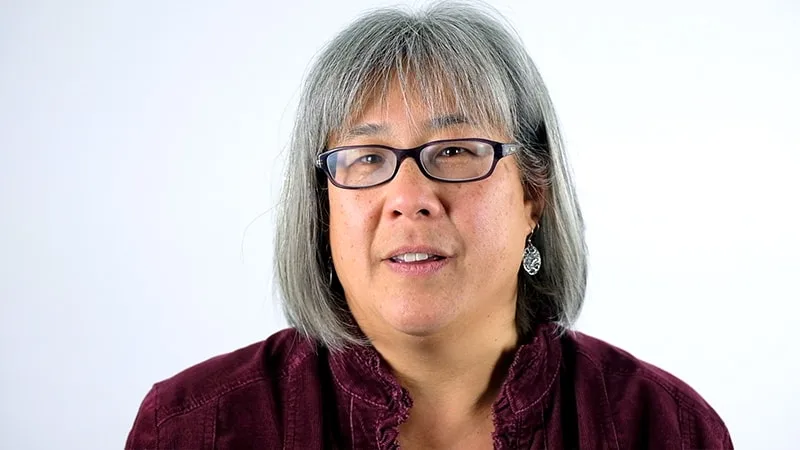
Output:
x=421 y=321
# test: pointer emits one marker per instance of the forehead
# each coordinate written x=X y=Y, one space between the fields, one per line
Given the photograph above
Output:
x=400 y=108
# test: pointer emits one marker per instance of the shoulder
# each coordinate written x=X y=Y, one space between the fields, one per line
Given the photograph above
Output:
x=257 y=372
x=272 y=359
x=628 y=371
x=640 y=396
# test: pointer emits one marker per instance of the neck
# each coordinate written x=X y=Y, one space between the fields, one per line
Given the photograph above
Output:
x=456 y=373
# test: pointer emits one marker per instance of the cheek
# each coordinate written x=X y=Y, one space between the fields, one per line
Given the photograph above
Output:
x=495 y=221
x=483 y=213
x=352 y=220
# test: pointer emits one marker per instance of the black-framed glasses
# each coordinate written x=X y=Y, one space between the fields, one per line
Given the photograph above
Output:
x=449 y=161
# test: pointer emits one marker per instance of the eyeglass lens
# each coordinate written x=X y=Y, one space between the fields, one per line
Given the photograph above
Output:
x=451 y=161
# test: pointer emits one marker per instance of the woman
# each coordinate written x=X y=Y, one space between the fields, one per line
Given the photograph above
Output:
x=431 y=258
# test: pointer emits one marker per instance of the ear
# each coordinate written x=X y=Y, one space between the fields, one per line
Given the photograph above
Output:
x=534 y=208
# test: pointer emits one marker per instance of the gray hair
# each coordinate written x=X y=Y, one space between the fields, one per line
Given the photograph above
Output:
x=492 y=81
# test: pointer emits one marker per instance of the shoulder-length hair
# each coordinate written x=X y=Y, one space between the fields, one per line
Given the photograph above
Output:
x=453 y=55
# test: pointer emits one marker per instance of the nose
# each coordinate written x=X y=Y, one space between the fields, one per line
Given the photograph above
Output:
x=411 y=194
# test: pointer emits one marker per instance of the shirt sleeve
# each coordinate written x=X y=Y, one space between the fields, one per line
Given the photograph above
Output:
x=144 y=433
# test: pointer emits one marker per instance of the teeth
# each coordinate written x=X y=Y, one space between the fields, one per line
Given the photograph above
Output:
x=413 y=257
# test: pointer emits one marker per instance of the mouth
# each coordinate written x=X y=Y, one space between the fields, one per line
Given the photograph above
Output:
x=410 y=258
x=418 y=261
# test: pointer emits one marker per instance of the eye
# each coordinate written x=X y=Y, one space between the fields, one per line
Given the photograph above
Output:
x=370 y=159
x=453 y=151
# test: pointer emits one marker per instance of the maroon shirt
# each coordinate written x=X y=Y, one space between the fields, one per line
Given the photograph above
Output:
x=572 y=391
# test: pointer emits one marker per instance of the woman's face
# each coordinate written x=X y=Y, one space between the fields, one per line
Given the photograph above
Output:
x=478 y=229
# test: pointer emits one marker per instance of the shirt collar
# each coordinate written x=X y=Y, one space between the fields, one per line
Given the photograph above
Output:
x=363 y=373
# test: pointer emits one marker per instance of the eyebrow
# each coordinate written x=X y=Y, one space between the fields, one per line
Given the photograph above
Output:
x=366 y=129
x=375 y=129
x=449 y=120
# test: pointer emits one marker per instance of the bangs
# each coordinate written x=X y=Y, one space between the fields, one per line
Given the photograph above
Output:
x=441 y=65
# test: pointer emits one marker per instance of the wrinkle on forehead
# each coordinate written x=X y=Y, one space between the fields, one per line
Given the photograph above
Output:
x=384 y=127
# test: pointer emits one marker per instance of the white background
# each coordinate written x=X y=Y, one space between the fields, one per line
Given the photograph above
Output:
x=139 y=139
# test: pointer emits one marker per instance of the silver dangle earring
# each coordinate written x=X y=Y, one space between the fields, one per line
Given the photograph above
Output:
x=532 y=259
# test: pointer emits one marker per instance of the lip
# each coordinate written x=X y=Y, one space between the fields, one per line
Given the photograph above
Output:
x=418 y=268
x=417 y=249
